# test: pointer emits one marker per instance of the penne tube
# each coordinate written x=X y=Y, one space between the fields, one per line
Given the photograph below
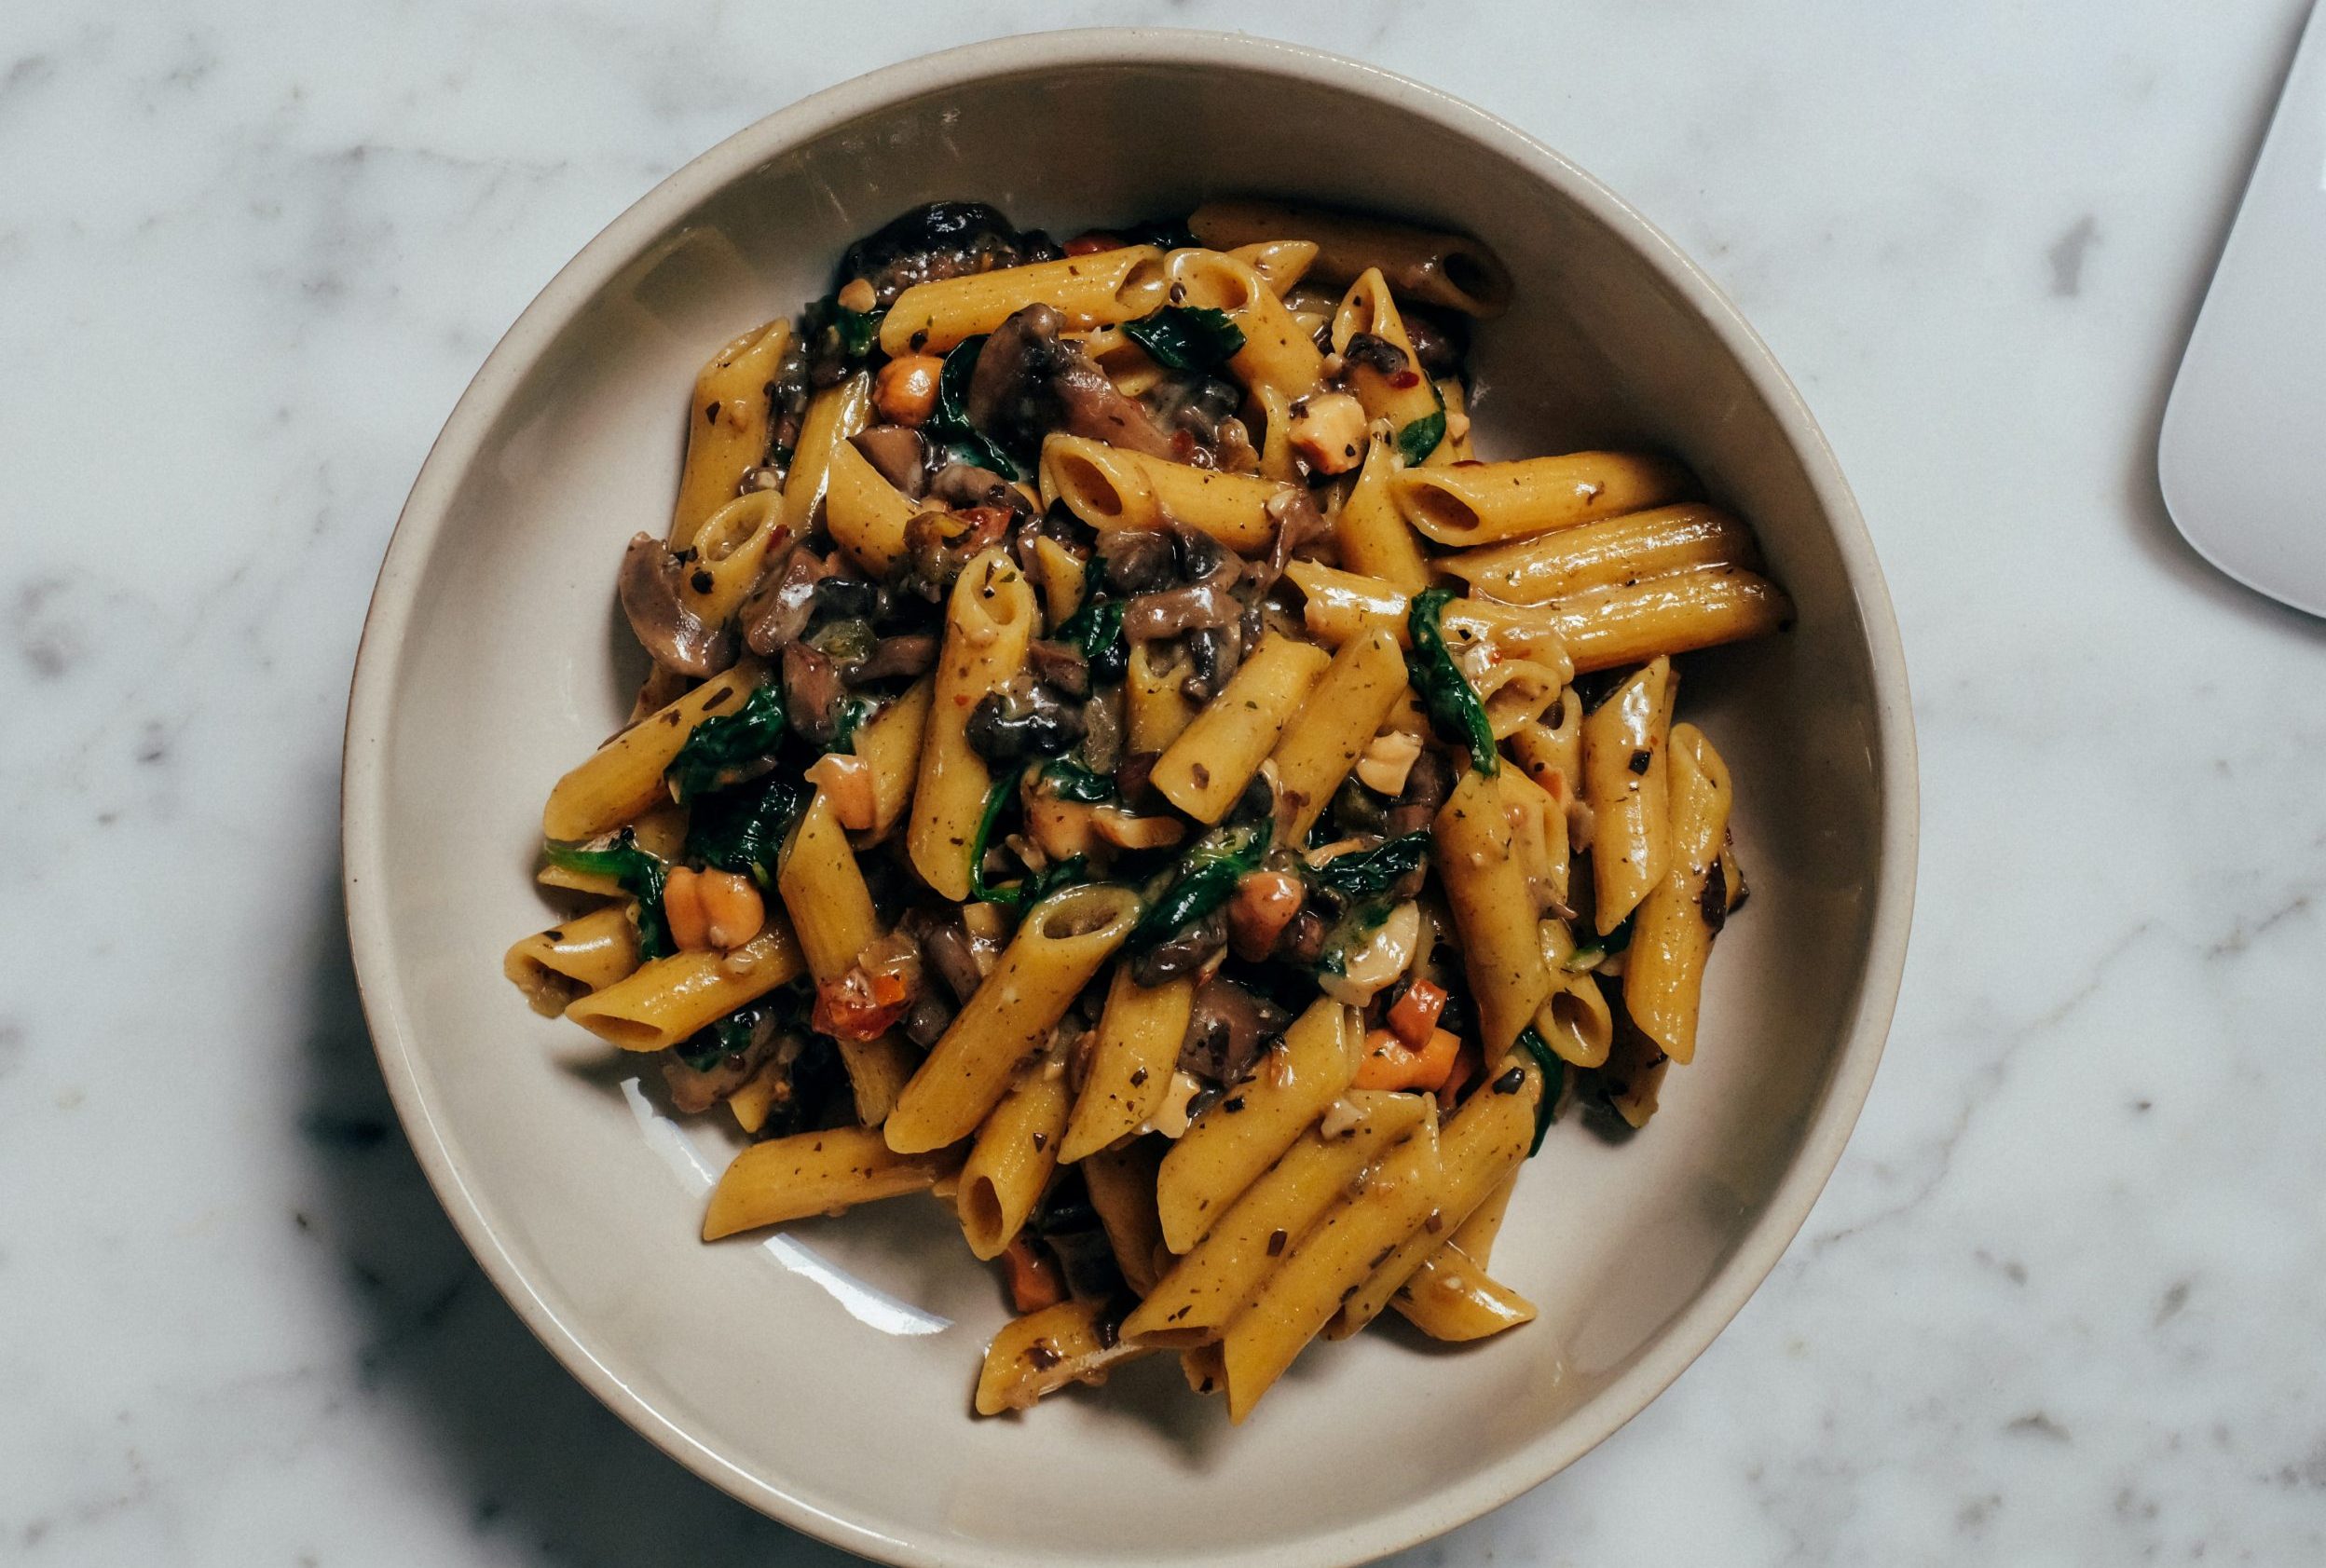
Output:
x=1456 y=447
x=1538 y=838
x=1632 y=1079
x=1663 y=969
x=1278 y=352
x=1299 y=1297
x=1606 y=628
x=814 y=1173
x=1098 y=289
x=1074 y=1342
x=1130 y=1072
x=728 y=424
x=1551 y=749
x=1480 y=1146
x=1339 y=605
x=1011 y=1161
x=1279 y=263
x=670 y=998
x=587 y=953
x=1111 y=487
x=1494 y=908
x=1450 y=1297
x=624 y=778
x=1622 y=550
x=1063 y=941
x=833 y=415
x=988 y=623
x=1332 y=730
x=1400 y=394
x=1485 y=503
x=1121 y=1183
x=730 y=550
x=1452 y=270
x=1375 y=540
x=1277 y=458
x=1156 y=709
x=825 y=893
x=1207 y=767
x=1575 y=1019
x=1061 y=572
x=1247 y=1130
x=1625 y=785
x=890 y=746
x=1517 y=692
x=1205 y=1290
x=864 y=513
x=1476 y=1235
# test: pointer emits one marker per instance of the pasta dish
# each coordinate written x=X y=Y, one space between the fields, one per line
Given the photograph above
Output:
x=1115 y=759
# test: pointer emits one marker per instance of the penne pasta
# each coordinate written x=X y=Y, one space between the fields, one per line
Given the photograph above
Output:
x=810 y=1173
x=1249 y=1128
x=1625 y=786
x=1011 y=1161
x=1121 y=1183
x=1207 y=766
x=864 y=513
x=587 y=953
x=1634 y=548
x=1279 y=263
x=1485 y=503
x=624 y=777
x=1374 y=539
x=1155 y=706
x=1130 y=1072
x=1664 y=970
x=1332 y=728
x=1074 y=1342
x=728 y=427
x=1606 y=628
x=1063 y=941
x=833 y=415
x=1278 y=352
x=1494 y=909
x=988 y=624
x=1111 y=487
x=1451 y=1298
x=890 y=747
x=672 y=998
x=1391 y=385
x=1089 y=291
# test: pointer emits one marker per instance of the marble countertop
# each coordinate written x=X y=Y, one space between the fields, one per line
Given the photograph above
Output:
x=2060 y=1303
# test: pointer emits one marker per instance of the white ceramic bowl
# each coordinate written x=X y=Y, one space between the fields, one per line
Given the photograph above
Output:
x=810 y=1376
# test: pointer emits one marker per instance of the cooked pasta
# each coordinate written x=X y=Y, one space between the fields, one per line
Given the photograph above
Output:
x=1115 y=760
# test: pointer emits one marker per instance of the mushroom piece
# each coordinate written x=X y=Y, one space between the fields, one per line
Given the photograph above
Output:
x=778 y=611
x=898 y=454
x=911 y=653
x=1227 y=1030
x=938 y=239
x=1030 y=381
x=812 y=694
x=1023 y=718
x=675 y=638
x=1136 y=560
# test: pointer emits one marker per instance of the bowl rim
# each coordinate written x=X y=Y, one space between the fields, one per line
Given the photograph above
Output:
x=374 y=692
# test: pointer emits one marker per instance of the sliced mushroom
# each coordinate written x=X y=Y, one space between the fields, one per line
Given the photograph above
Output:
x=898 y=454
x=1030 y=381
x=778 y=611
x=812 y=694
x=675 y=638
x=1227 y=1029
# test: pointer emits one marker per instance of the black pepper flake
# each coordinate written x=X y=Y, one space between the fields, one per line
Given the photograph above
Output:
x=1138 y=1077
x=1715 y=902
x=1201 y=775
x=717 y=699
x=557 y=935
x=710 y=413
x=1639 y=761
x=920 y=341
x=1276 y=1243
x=1232 y=1106
x=1042 y=1355
x=703 y=581
x=1510 y=1082
x=1041 y=1140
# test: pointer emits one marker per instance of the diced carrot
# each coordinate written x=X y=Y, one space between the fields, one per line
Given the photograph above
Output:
x=1388 y=1064
x=1415 y=1014
x=860 y=1006
x=1035 y=1282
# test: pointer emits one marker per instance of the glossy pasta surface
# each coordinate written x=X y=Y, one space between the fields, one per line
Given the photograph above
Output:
x=1114 y=757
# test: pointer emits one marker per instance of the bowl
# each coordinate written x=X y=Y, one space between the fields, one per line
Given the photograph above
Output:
x=824 y=1375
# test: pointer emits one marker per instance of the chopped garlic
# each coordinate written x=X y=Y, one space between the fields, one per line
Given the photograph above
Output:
x=1329 y=432
x=1340 y=1119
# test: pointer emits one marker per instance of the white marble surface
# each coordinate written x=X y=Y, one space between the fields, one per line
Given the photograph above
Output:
x=2061 y=1303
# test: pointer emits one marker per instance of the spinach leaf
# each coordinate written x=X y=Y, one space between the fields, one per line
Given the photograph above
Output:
x=1455 y=712
x=1203 y=880
x=1593 y=953
x=640 y=874
x=853 y=715
x=1186 y=337
x=741 y=830
x=1070 y=780
x=726 y=749
x=1553 y=1080
x=949 y=427
x=1027 y=890
x=854 y=332
x=1420 y=438
x=707 y=1046
x=1371 y=873
x=1096 y=628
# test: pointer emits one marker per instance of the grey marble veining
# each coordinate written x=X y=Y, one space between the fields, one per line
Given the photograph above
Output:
x=2060 y=1303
